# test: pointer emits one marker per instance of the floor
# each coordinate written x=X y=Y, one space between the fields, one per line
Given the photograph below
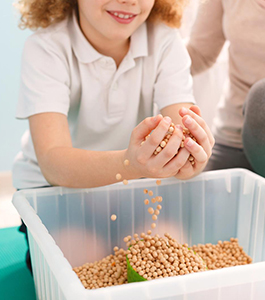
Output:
x=9 y=217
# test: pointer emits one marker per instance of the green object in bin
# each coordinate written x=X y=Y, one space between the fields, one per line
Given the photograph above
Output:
x=132 y=275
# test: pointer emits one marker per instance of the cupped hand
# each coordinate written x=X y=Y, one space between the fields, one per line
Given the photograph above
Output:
x=143 y=162
x=201 y=149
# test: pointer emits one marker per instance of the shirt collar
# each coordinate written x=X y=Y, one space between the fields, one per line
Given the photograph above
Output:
x=139 y=44
x=86 y=53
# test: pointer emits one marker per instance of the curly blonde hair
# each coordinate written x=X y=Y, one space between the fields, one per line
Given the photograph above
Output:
x=43 y=13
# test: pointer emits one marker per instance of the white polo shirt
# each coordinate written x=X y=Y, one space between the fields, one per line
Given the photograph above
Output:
x=61 y=72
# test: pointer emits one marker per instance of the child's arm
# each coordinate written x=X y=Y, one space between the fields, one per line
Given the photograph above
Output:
x=207 y=37
x=63 y=165
x=201 y=150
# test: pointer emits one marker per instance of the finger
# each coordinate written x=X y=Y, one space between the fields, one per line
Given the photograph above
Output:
x=171 y=148
x=196 y=110
x=175 y=164
x=196 y=151
x=152 y=142
x=198 y=132
x=187 y=171
x=144 y=128
x=184 y=111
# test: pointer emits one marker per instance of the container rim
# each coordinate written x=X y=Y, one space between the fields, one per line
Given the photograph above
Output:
x=141 y=183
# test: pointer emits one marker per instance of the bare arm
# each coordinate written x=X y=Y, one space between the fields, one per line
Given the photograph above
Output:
x=207 y=37
x=63 y=165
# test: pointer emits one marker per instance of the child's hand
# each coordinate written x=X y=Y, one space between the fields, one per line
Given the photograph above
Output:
x=201 y=150
x=143 y=162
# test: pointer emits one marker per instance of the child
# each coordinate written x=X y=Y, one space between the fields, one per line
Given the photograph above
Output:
x=89 y=76
x=240 y=124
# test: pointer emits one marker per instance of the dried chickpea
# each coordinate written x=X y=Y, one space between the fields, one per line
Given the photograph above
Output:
x=163 y=144
x=126 y=162
x=113 y=217
x=154 y=217
x=160 y=199
x=157 y=212
x=150 y=193
x=118 y=176
x=158 y=149
x=150 y=210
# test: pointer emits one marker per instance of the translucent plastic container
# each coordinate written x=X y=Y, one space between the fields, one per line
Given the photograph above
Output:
x=69 y=227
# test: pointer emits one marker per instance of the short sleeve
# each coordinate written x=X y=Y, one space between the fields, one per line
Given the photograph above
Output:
x=45 y=80
x=174 y=82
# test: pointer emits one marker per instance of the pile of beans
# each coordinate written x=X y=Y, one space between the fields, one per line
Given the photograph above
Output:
x=158 y=257
x=154 y=257
x=224 y=254
x=110 y=271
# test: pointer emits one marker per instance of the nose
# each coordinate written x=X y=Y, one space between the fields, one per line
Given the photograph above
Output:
x=131 y=2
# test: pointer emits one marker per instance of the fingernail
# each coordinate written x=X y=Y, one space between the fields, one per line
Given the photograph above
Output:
x=167 y=119
x=184 y=110
x=155 y=118
x=190 y=143
x=179 y=127
x=188 y=120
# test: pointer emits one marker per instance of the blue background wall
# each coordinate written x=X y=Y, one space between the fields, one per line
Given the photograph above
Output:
x=12 y=41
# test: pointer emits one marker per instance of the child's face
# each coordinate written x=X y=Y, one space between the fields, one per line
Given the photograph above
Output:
x=113 y=19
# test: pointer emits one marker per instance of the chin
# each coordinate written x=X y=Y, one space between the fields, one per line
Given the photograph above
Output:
x=118 y=36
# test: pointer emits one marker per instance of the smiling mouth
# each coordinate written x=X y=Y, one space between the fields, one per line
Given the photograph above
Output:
x=122 y=15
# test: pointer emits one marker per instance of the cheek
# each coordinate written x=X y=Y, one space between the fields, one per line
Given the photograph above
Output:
x=91 y=8
x=149 y=6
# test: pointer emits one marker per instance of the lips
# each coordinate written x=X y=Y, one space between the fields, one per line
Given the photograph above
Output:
x=122 y=17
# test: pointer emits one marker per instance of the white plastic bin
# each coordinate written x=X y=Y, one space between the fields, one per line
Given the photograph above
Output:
x=68 y=227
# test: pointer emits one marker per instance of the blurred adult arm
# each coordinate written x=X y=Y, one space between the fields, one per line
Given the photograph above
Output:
x=207 y=36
